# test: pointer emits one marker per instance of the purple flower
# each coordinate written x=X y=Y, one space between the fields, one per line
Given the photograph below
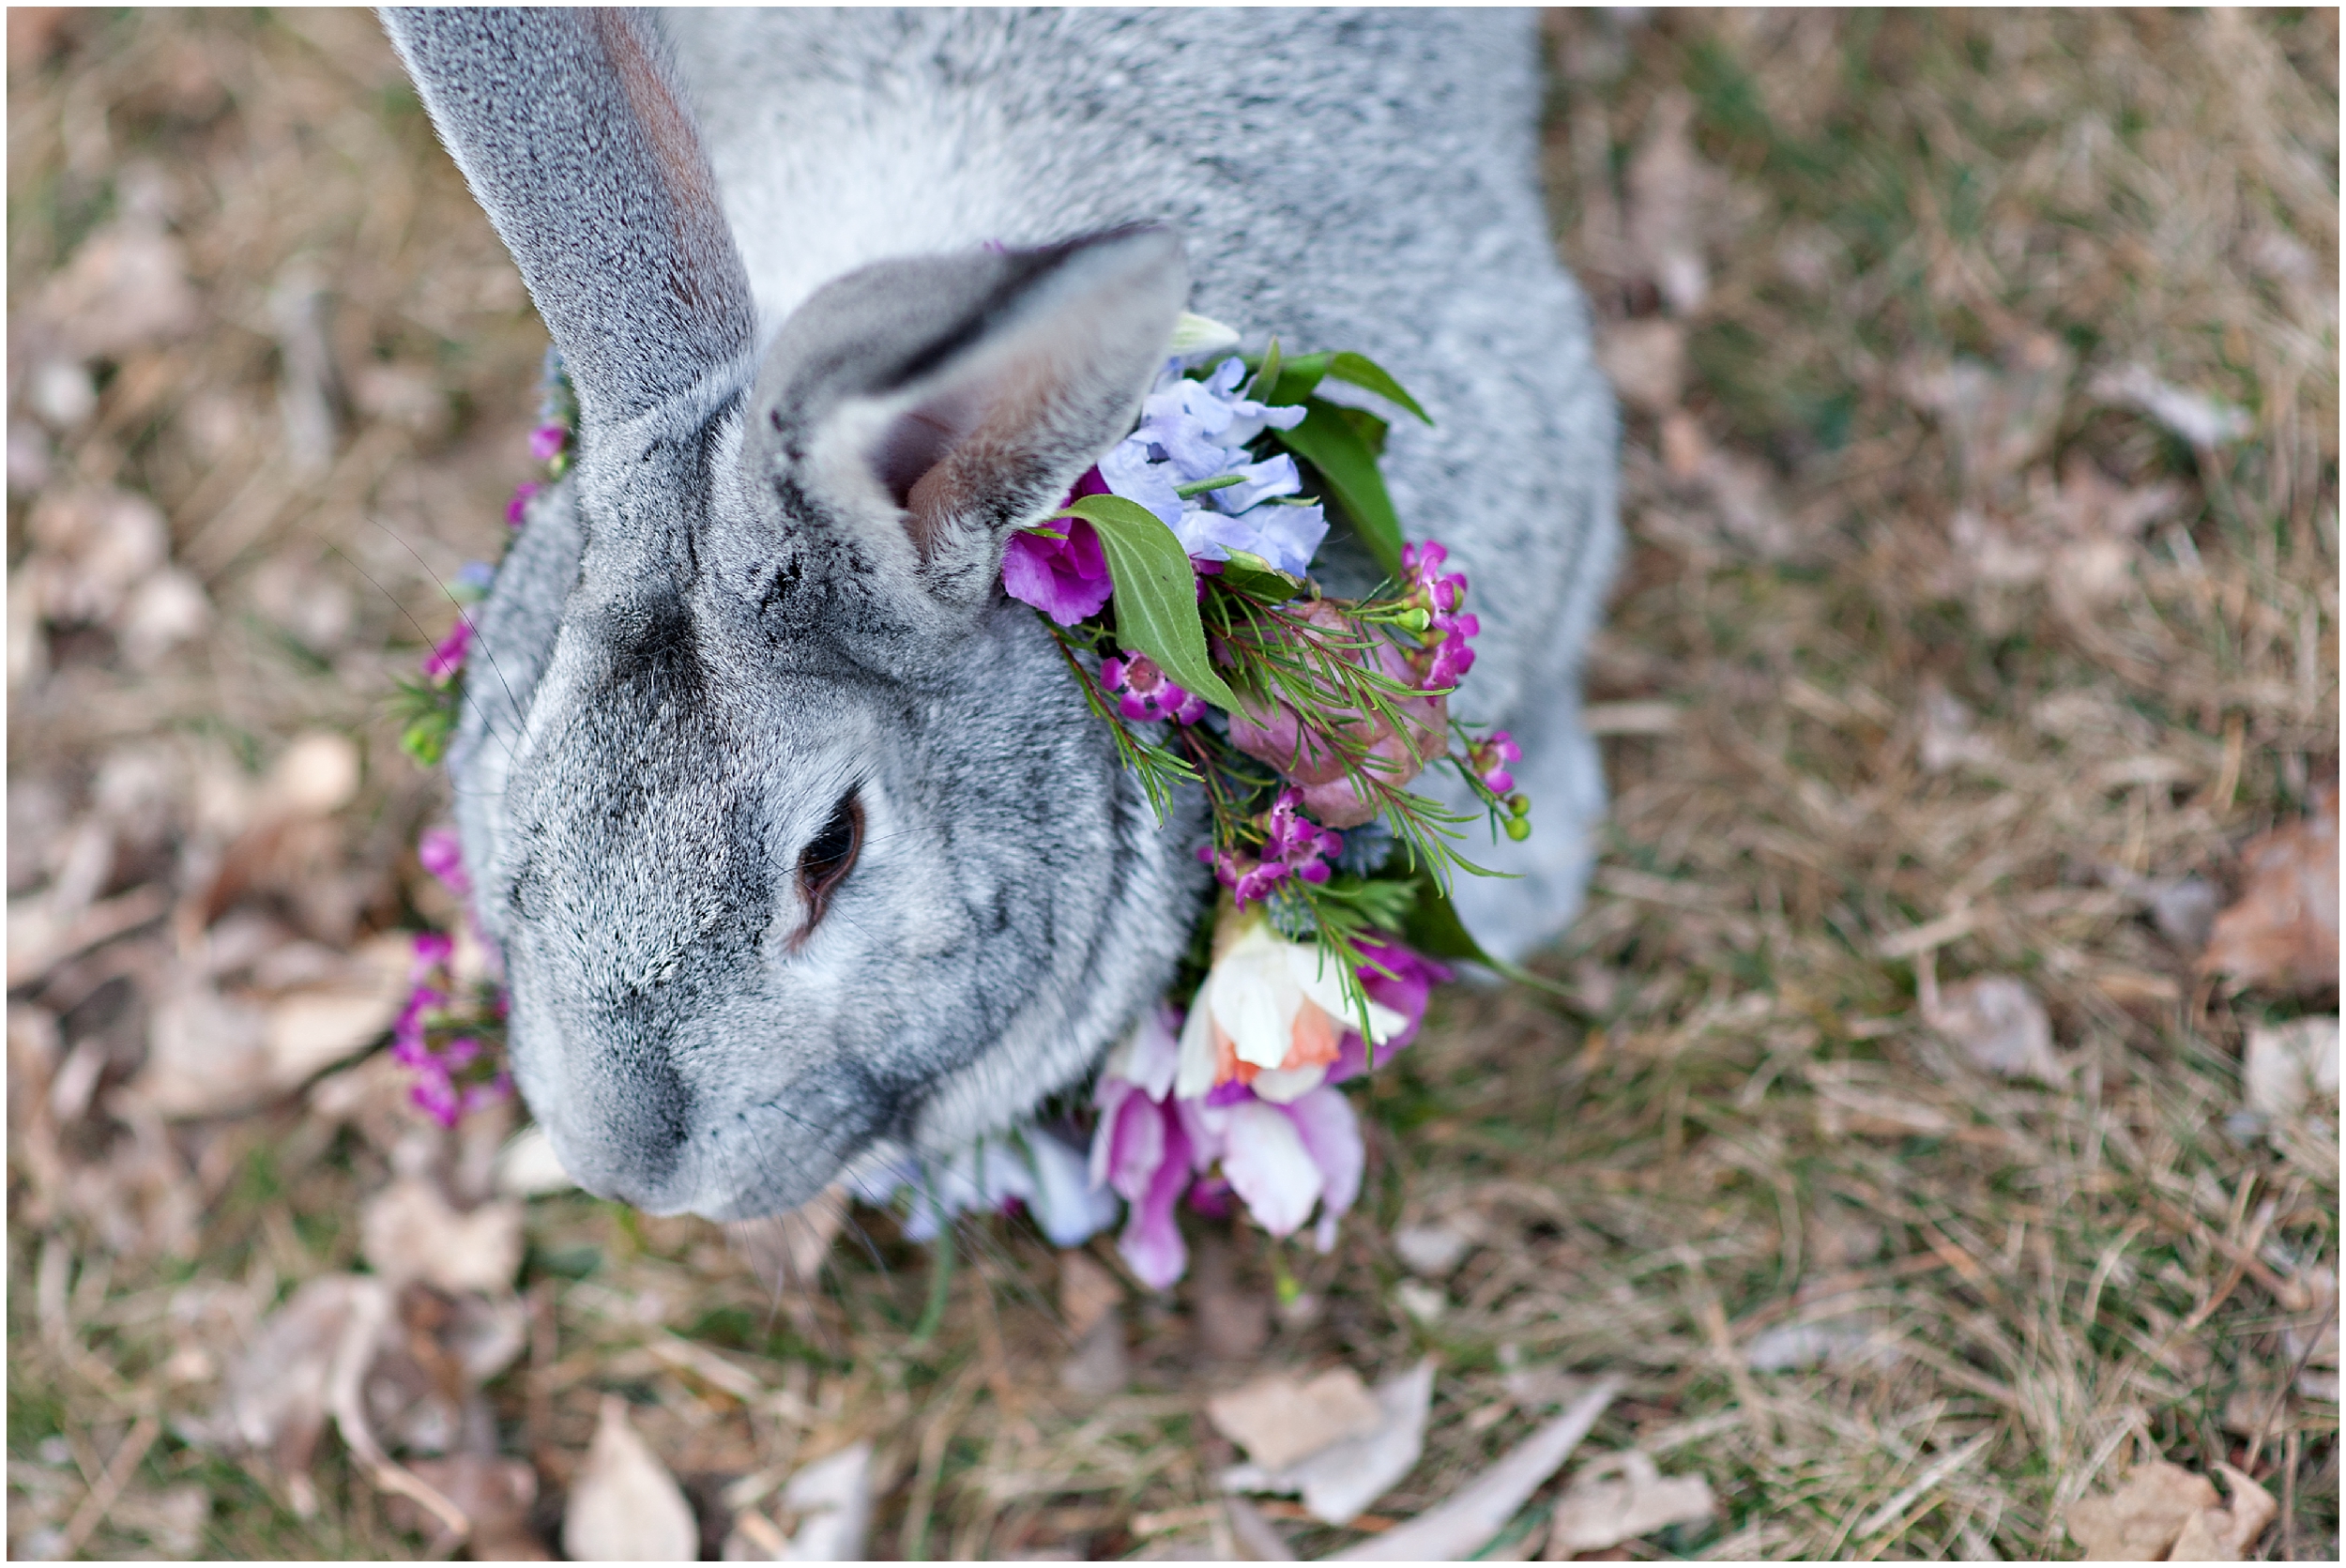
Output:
x=1129 y=471
x=448 y=657
x=432 y=949
x=517 y=510
x=496 y=1089
x=1250 y=880
x=443 y=855
x=1145 y=692
x=1141 y=1148
x=1296 y=841
x=1283 y=1159
x=1396 y=979
x=1027 y=1167
x=1067 y=579
x=1450 y=657
x=1287 y=537
x=1197 y=429
x=1489 y=760
x=436 y=1093
x=1425 y=582
x=547 y=441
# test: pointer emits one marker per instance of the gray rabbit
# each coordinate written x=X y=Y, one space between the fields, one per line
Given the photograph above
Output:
x=802 y=847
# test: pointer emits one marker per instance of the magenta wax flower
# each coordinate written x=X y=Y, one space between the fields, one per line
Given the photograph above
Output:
x=1447 y=656
x=447 y=656
x=1489 y=760
x=1144 y=691
x=1067 y=578
x=517 y=510
x=443 y=855
x=1294 y=840
x=1425 y=582
x=1249 y=879
x=547 y=441
x=432 y=949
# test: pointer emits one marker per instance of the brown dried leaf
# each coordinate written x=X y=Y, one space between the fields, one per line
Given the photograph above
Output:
x=1463 y=1523
x=2140 y=1520
x=1279 y=1418
x=833 y=1501
x=494 y=1493
x=624 y=1506
x=210 y=1052
x=2291 y=1066
x=1601 y=1510
x=409 y=1230
x=1341 y=1478
x=2203 y=421
x=2282 y=934
x=126 y=287
x=278 y=1396
x=1998 y=418
x=2225 y=1534
x=91 y=548
x=2000 y=1025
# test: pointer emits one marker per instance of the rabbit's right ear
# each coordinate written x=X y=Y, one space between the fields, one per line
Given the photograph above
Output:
x=914 y=413
x=571 y=133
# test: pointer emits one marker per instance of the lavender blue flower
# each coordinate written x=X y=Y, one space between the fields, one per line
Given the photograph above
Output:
x=1197 y=429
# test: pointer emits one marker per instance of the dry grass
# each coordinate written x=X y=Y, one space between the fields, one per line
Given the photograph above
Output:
x=1907 y=688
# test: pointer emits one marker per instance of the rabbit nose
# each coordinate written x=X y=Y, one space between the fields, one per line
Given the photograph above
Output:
x=631 y=1143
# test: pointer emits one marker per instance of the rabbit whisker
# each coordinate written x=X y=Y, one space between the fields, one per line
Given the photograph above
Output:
x=403 y=609
x=460 y=612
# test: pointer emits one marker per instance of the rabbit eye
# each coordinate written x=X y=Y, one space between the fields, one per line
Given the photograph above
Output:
x=826 y=861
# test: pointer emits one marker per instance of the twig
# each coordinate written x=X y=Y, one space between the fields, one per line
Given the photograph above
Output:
x=361 y=1338
x=92 y=1513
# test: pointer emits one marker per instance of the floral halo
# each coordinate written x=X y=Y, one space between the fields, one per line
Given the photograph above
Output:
x=1175 y=579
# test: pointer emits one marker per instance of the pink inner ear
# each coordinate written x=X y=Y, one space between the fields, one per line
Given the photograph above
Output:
x=914 y=445
x=937 y=458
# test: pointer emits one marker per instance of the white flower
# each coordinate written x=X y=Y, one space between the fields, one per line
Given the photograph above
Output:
x=1272 y=1012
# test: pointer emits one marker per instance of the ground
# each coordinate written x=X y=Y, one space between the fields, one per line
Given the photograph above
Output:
x=1980 y=382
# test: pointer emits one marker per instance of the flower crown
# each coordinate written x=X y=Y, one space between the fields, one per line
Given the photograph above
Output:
x=1175 y=579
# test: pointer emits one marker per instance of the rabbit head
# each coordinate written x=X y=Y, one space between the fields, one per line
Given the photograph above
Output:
x=799 y=842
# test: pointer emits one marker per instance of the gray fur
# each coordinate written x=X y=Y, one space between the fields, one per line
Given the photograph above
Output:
x=727 y=617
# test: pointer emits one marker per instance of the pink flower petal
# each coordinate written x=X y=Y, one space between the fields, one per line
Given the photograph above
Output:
x=1264 y=1157
x=1331 y=1135
x=1067 y=579
x=1151 y=1242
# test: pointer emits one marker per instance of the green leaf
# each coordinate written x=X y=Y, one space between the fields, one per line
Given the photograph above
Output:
x=1372 y=429
x=1326 y=440
x=1297 y=378
x=1156 y=593
x=1434 y=928
x=1260 y=577
x=1359 y=370
x=1267 y=374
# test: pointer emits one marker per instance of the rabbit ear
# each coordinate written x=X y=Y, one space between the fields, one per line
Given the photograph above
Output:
x=945 y=401
x=574 y=139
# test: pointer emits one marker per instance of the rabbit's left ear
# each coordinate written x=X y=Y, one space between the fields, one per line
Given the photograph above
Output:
x=931 y=405
x=573 y=137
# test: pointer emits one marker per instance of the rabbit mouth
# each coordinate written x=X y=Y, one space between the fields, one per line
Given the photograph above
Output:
x=777 y=1154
